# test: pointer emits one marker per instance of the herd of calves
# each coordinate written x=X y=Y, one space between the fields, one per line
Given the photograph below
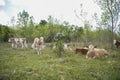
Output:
x=90 y=51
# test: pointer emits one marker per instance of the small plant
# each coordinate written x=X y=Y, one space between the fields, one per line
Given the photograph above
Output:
x=59 y=43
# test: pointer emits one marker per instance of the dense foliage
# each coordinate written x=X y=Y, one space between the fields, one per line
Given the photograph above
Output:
x=48 y=31
x=5 y=33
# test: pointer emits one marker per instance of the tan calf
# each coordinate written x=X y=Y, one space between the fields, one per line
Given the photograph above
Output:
x=38 y=44
x=95 y=52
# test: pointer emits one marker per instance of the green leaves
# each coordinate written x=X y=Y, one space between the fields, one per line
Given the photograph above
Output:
x=23 y=18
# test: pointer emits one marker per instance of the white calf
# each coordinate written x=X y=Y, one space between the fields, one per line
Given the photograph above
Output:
x=16 y=41
x=67 y=47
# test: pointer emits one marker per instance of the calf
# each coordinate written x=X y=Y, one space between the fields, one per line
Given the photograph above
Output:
x=116 y=43
x=38 y=44
x=16 y=41
x=67 y=47
x=81 y=50
x=95 y=52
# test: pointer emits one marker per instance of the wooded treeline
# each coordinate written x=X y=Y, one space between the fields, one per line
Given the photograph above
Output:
x=107 y=29
x=72 y=33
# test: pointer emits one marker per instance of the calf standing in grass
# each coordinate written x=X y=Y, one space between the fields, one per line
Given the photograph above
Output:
x=16 y=41
x=116 y=43
x=95 y=52
x=38 y=44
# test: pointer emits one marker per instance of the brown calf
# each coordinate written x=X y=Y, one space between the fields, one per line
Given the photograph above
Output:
x=116 y=43
x=81 y=50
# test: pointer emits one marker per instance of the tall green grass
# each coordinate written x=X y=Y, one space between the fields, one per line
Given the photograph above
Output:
x=25 y=64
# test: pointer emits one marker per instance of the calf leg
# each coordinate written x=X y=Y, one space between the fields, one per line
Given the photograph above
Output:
x=25 y=45
x=12 y=45
x=87 y=56
x=16 y=46
x=117 y=45
x=39 y=52
x=22 y=45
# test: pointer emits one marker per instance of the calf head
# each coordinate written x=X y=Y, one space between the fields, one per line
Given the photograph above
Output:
x=114 y=41
x=11 y=40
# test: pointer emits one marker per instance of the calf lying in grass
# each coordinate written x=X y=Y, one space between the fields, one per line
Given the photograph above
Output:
x=81 y=50
x=67 y=47
x=95 y=52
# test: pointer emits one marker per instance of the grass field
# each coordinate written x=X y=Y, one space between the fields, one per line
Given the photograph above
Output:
x=25 y=64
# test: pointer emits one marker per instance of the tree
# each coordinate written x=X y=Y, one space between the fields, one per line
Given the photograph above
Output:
x=82 y=16
x=78 y=32
x=31 y=23
x=51 y=28
x=59 y=43
x=110 y=15
x=13 y=24
x=50 y=20
x=43 y=22
x=23 y=19
x=5 y=32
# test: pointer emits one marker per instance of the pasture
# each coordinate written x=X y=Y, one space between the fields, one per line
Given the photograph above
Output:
x=25 y=64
